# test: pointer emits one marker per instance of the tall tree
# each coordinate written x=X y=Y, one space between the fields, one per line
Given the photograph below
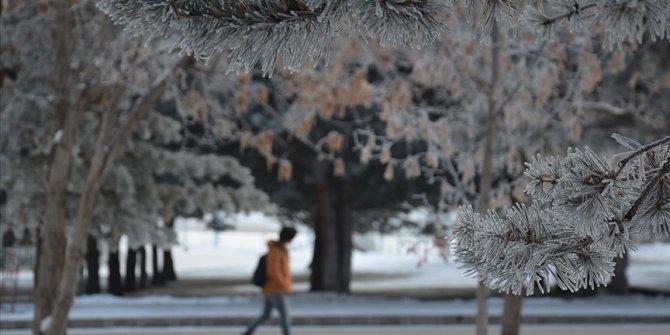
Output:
x=157 y=177
x=83 y=81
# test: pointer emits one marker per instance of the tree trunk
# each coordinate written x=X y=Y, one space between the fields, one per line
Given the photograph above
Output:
x=38 y=251
x=168 y=267
x=157 y=275
x=511 y=318
x=51 y=256
x=344 y=235
x=324 y=262
x=92 y=266
x=114 y=284
x=485 y=183
x=81 y=283
x=142 y=252
x=482 y=319
x=103 y=157
x=8 y=239
x=619 y=284
x=74 y=254
x=168 y=264
x=131 y=265
x=333 y=229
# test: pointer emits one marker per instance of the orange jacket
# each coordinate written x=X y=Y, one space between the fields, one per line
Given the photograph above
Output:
x=277 y=269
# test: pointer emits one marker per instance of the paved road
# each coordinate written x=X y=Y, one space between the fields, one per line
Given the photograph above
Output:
x=623 y=329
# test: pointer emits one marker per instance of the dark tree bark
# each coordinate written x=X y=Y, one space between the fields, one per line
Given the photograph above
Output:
x=38 y=248
x=144 y=277
x=619 y=284
x=324 y=261
x=344 y=235
x=333 y=229
x=92 y=266
x=8 y=239
x=511 y=318
x=81 y=283
x=114 y=284
x=168 y=266
x=157 y=275
x=131 y=265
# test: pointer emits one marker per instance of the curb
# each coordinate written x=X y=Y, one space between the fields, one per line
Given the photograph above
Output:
x=348 y=320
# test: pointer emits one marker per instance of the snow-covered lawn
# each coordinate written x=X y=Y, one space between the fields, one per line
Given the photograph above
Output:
x=233 y=255
x=205 y=254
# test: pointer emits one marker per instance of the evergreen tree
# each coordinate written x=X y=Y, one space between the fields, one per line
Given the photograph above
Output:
x=70 y=105
x=293 y=32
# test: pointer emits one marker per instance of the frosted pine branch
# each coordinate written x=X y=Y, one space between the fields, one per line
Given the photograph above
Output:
x=585 y=216
x=636 y=153
x=292 y=32
x=623 y=20
x=252 y=31
x=289 y=32
x=413 y=23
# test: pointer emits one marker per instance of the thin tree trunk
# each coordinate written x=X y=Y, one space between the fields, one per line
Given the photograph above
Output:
x=92 y=266
x=81 y=285
x=511 y=318
x=114 y=284
x=131 y=265
x=142 y=252
x=52 y=233
x=485 y=183
x=168 y=263
x=75 y=252
x=344 y=235
x=38 y=251
x=619 y=284
x=315 y=279
x=157 y=275
x=102 y=160
x=482 y=319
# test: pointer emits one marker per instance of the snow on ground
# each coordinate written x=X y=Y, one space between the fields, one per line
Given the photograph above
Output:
x=104 y=307
x=205 y=254
x=233 y=254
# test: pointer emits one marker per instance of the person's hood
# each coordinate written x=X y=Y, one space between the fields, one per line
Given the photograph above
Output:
x=274 y=244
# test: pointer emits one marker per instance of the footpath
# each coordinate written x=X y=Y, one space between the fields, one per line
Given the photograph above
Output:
x=308 y=309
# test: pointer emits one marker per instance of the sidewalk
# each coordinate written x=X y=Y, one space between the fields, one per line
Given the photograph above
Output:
x=324 y=309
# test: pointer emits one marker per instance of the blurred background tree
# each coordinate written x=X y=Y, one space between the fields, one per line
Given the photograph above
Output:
x=433 y=106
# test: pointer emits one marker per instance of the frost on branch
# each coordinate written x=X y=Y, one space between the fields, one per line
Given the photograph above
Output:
x=621 y=20
x=253 y=31
x=290 y=32
x=397 y=23
x=584 y=214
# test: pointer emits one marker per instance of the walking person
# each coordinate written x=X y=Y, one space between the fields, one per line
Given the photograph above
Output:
x=277 y=281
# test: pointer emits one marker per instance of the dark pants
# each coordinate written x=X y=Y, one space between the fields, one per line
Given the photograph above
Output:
x=275 y=300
